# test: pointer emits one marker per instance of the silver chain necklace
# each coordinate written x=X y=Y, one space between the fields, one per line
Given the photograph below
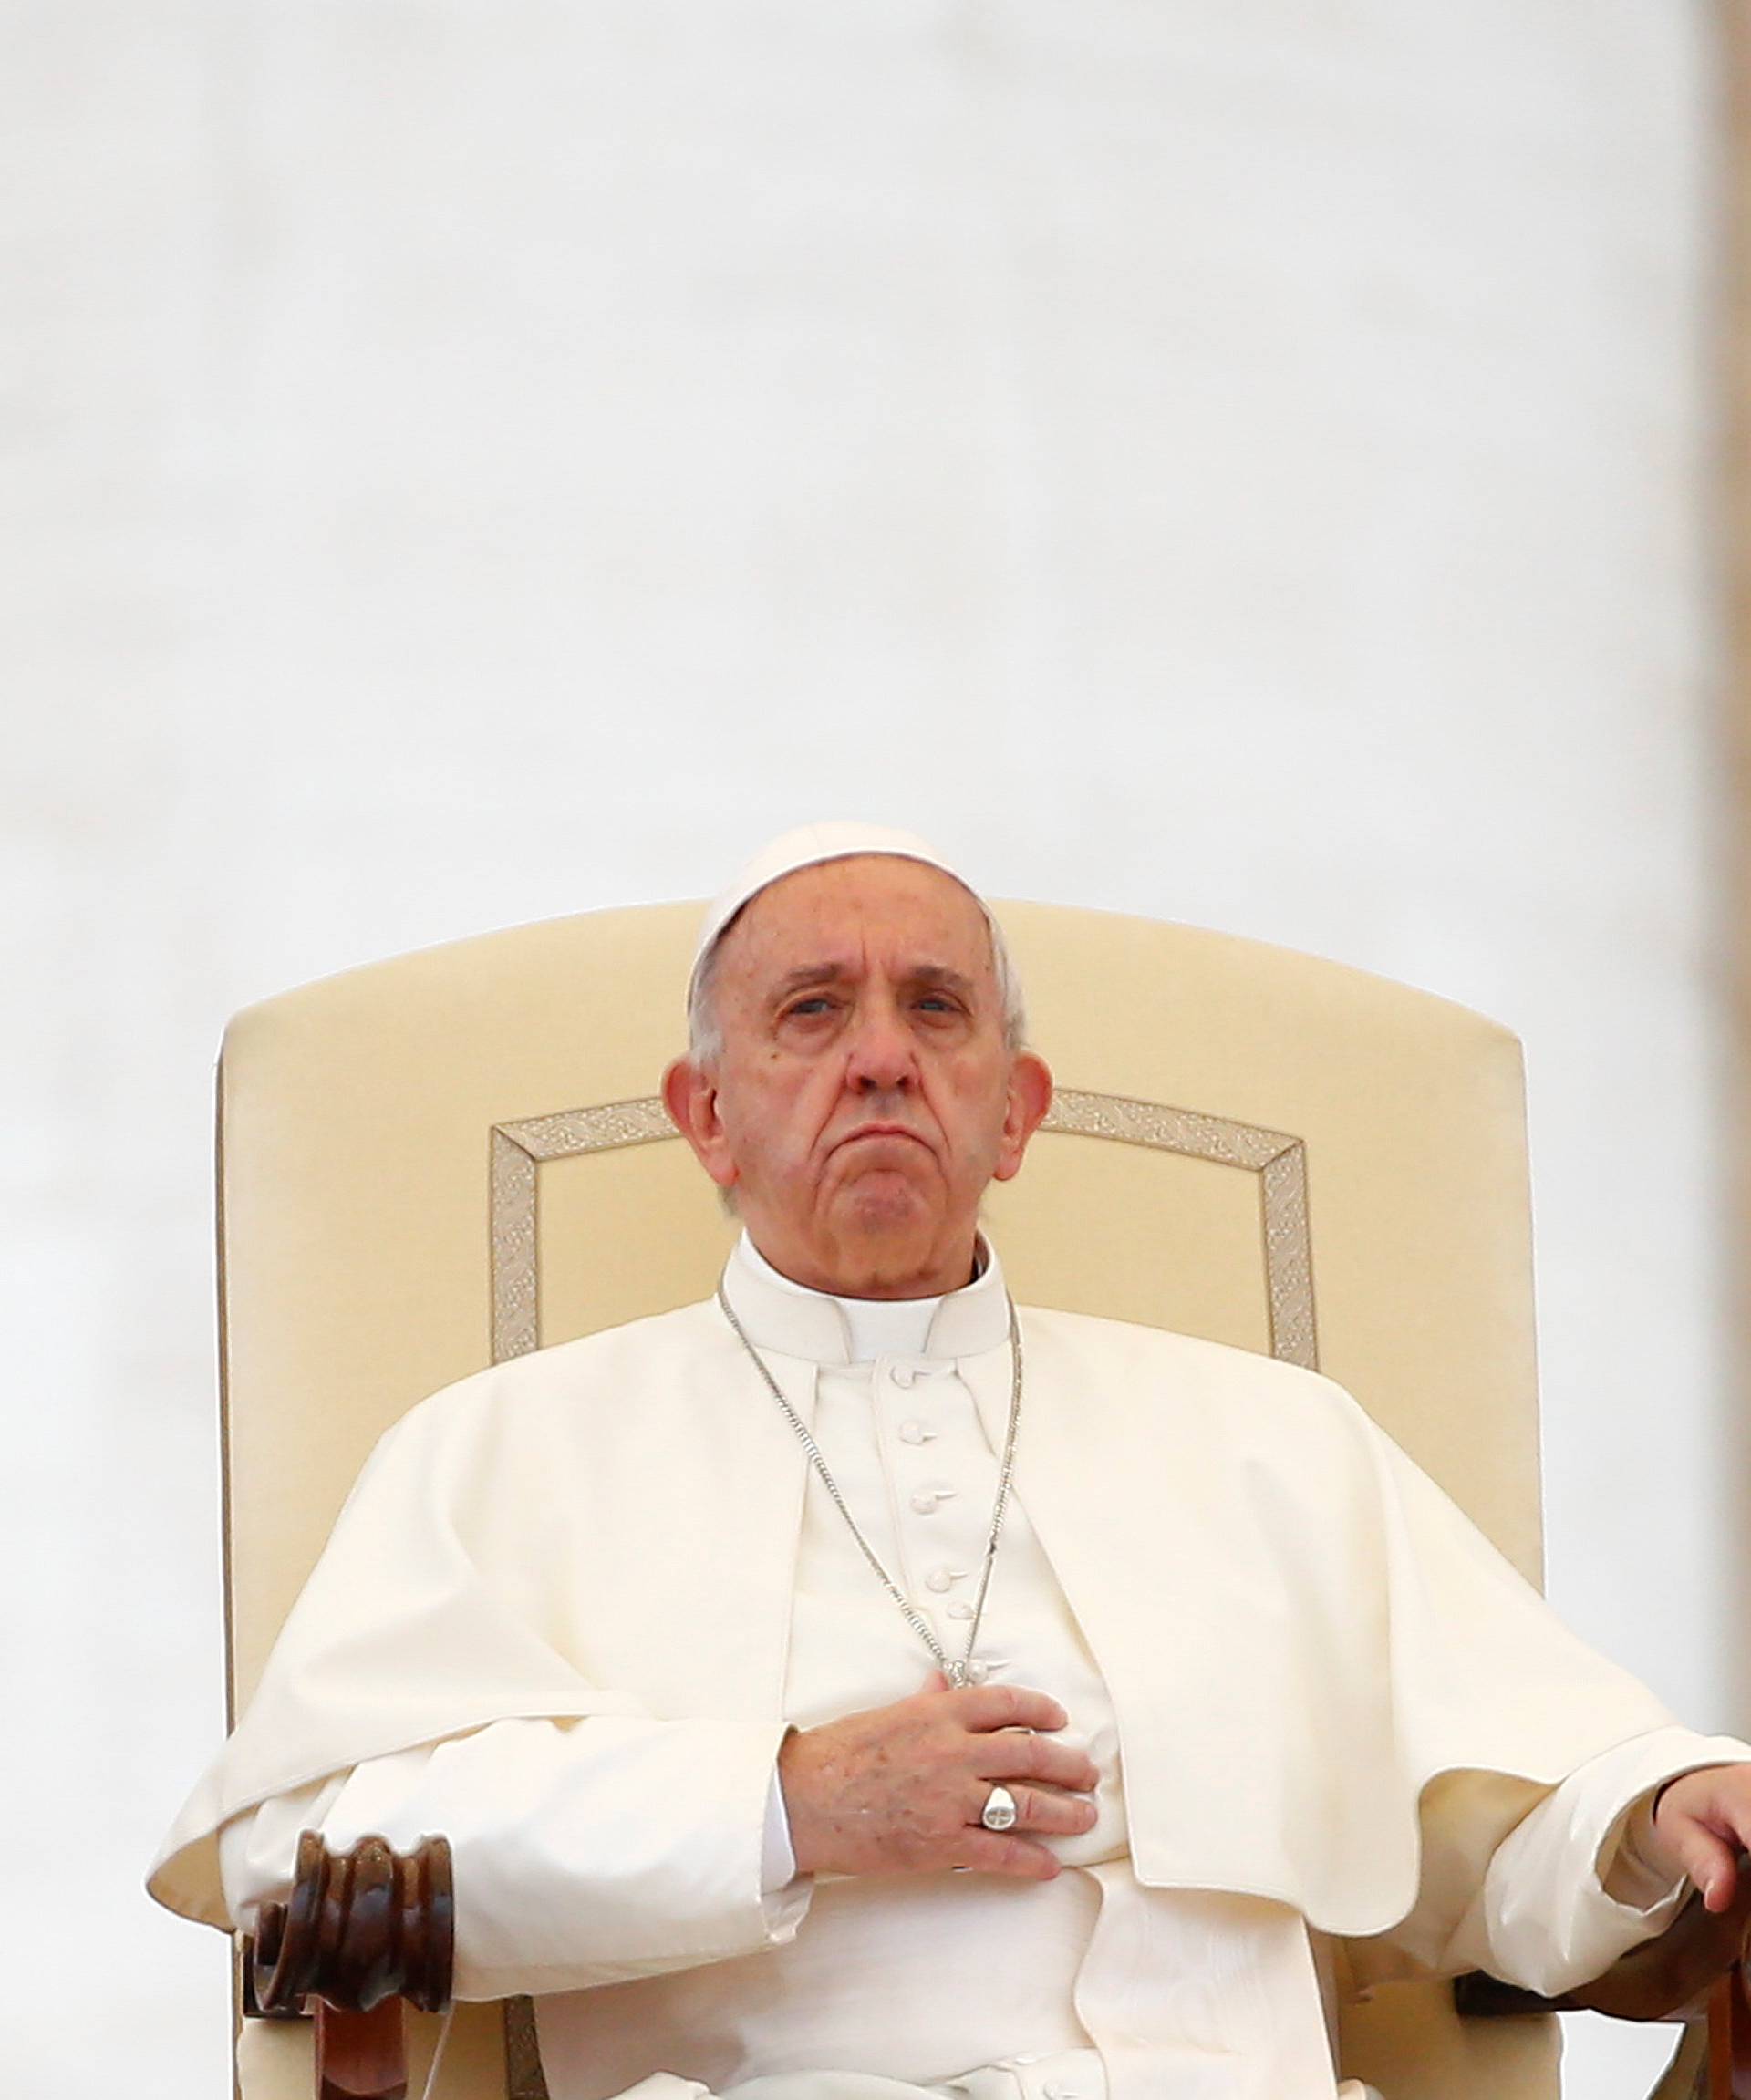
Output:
x=957 y=1673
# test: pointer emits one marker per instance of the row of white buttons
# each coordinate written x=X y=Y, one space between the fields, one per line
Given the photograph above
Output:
x=926 y=1502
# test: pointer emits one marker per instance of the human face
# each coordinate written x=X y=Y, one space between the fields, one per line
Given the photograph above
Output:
x=865 y=1096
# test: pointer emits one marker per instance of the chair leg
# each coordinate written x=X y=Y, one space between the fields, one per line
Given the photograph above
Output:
x=1738 y=2017
x=1729 y=2038
x=361 y=2056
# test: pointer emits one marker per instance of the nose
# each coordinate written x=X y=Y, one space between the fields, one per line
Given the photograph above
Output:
x=880 y=1057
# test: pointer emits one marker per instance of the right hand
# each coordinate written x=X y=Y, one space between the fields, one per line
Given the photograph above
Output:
x=899 y=1789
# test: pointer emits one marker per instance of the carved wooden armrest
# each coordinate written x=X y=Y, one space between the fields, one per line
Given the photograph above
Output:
x=361 y=1931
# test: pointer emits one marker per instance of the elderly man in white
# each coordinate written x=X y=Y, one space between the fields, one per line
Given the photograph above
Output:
x=848 y=1687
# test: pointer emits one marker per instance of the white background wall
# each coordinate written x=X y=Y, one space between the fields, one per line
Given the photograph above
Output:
x=462 y=463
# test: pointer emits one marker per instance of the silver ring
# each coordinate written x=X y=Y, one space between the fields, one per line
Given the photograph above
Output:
x=999 y=1811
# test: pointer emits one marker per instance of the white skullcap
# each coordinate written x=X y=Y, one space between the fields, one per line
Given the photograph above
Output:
x=807 y=847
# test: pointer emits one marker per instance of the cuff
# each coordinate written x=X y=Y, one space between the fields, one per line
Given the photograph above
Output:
x=1627 y=1860
x=777 y=1858
x=1628 y=1868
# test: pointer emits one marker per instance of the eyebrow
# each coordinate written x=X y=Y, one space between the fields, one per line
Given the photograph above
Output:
x=939 y=974
x=936 y=974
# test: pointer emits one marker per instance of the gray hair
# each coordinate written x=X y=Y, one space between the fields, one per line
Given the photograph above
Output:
x=705 y=1031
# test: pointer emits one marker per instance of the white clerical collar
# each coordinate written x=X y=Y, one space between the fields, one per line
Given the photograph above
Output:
x=789 y=1318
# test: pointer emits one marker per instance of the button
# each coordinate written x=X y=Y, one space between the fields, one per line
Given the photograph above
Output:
x=1062 y=2092
x=977 y=1672
x=916 y=1432
x=958 y=1611
x=903 y=1374
x=941 y=1579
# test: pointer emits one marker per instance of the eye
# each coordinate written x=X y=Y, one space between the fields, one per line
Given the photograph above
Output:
x=816 y=1003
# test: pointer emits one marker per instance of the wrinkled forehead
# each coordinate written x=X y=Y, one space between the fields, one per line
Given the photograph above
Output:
x=864 y=912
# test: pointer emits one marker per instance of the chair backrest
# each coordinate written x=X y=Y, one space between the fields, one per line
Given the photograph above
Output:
x=459 y=1155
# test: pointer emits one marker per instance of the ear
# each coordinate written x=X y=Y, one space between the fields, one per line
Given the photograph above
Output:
x=690 y=1096
x=1030 y=1097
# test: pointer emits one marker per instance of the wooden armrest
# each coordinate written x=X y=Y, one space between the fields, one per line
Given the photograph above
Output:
x=359 y=1927
x=360 y=1930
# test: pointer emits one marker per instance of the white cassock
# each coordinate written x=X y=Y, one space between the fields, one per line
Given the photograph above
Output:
x=573 y=1601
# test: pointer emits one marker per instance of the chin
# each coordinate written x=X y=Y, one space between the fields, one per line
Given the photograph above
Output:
x=892 y=1226
x=890 y=1198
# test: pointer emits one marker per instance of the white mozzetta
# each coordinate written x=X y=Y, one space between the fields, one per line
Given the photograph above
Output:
x=1268 y=1628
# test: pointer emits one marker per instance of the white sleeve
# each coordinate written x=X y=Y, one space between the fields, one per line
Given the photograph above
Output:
x=1563 y=1895
x=584 y=1851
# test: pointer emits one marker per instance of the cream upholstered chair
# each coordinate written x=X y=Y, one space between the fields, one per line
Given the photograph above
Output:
x=459 y=1155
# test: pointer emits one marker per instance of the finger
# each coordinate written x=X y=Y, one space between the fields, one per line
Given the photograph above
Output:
x=935 y=1681
x=993 y=1706
x=1708 y=1862
x=1728 y=1815
x=1042 y=1811
x=1728 y=1843
x=1015 y=1859
x=1003 y=1755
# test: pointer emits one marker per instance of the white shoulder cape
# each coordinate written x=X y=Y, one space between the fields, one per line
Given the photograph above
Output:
x=1299 y=1630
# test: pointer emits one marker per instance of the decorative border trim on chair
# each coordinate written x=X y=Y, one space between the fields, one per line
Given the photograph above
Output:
x=1279 y=1160
x=518 y=1149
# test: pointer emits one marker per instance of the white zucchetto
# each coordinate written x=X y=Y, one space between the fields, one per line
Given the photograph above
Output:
x=806 y=847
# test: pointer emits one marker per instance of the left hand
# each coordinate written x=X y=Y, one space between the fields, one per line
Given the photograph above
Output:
x=1703 y=1824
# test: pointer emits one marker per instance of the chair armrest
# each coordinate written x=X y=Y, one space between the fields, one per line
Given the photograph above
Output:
x=360 y=1930
x=359 y=1927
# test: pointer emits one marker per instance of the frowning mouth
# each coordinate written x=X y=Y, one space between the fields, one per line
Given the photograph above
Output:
x=870 y=1130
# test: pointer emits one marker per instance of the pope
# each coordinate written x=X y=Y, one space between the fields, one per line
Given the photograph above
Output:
x=1010 y=1704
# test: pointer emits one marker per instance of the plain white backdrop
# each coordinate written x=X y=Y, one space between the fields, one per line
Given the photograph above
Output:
x=1225 y=459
